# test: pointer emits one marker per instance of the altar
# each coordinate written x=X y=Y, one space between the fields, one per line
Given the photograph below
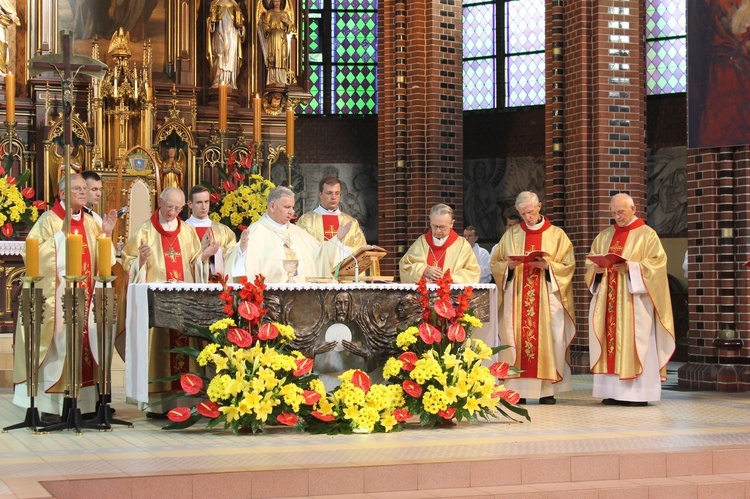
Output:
x=340 y=326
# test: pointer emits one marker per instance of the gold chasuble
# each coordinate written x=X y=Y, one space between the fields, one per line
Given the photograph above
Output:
x=455 y=255
x=621 y=320
x=536 y=308
x=52 y=355
x=323 y=227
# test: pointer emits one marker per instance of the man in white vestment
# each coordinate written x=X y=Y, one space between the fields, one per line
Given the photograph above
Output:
x=209 y=231
x=281 y=251
x=93 y=195
x=483 y=256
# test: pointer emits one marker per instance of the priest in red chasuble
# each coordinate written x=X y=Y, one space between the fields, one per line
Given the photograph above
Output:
x=323 y=222
x=208 y=231
x=631 y=331
x=52 y=261
x=439 y=250
x=537 y=316
x=165 y=249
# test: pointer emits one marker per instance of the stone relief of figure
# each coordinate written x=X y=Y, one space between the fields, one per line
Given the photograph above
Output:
x=667 y=190
x=8 y=17
x=226 y=27
x=172 y=168
x=275 y=30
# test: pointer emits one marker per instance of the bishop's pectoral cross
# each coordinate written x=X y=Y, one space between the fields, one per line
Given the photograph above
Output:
x=330 y=232
x=172 y=254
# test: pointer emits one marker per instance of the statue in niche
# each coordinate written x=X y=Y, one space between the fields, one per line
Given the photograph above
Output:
x=275 y=30
x=172 y=168
x=226 y=27
x=8 y=17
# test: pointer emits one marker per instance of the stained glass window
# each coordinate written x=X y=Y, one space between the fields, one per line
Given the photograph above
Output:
x=666 y=59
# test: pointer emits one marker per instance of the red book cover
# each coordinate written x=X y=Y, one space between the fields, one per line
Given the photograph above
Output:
x=606 y=261
x=529 y=257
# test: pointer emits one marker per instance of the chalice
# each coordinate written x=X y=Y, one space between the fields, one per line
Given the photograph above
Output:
x=290 y=266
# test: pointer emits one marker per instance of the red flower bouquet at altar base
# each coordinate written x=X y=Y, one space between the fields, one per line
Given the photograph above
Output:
x=258 y=378
x=441 y=369
x=16 y=206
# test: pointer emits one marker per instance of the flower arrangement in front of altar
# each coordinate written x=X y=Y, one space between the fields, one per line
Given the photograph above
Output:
x=16 y=205
x=441 y=369
x=258 y=378
x=241 y=196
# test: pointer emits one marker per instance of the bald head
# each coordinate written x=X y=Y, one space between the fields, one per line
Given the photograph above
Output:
x=622 y=208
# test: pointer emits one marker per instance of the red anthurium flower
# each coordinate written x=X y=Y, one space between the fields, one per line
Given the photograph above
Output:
x=311 y=396
x=7 y=229
x=444 y=309
x=247 y=161
x=408 y=359
x=304 y=366
x=248 y=310
x=208 y=409
x=179 y=414
x=2 y=170
x=456 y=332
x=361 y=381
x=448 y=413
x=228 y=185
x=12 y=180
x=401 y=414
x=239 y=337
x=40 y=205
x=191 y=383
x=511 y=396
x=268 y=332
x=327 y=418
x=287 y=419
x=499 y=369
x=215 y=197
x=412 y=388
x=28 y=192
x=429 y=333
x=239 y=177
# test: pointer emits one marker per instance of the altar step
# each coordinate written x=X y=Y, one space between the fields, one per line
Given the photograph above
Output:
x=707 y=473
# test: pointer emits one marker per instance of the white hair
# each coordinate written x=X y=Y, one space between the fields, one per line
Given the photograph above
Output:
x=278 y=193
x=442 y=209
x=526 y=198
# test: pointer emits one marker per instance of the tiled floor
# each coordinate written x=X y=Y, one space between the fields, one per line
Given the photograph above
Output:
x=578 y=440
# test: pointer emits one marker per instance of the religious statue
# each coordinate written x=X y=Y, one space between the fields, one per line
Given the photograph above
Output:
x=8 y=17
x=172 y=168
x=275 y=30
x=226 y=27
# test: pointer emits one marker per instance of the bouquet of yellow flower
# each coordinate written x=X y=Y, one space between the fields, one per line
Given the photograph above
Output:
x=258 y=378
x=358 y=406
x=441 y=368
x=241 y=196
x=16 y=205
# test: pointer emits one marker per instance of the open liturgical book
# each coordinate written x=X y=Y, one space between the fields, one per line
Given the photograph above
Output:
x=532 y=256
x=366 y=257
x=606 y=261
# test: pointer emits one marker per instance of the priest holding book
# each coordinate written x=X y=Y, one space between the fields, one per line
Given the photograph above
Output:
x=631 y=331
x=533 y=266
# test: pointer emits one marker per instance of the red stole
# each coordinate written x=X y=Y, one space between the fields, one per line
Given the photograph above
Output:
x=531 y=293
x=330 y=226
x=436 y=254
x=201 y=231
x=613 y=278
x=170 y=245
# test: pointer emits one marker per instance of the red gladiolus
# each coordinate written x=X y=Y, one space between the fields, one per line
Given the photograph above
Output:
x=228 y=185
x=268 y=332
x=7 y=229
x=239 y=337
x=40 y=205
x=409 y=359
x=191 y=384
x=229 y=310
x=215 y=197
x=327 y=418
x=311 y=397
x=429 y=333
x=231 y=160
x=456 y=332
x=500 y=369
x=287 y=419
x=444 y=309
x=304 y=366
x=401 y=415
x=248 y=310
x=179 y=414
x=28 y=192
x=412 y=388
x=361 y=381
x=208 y=409
x=448 y=413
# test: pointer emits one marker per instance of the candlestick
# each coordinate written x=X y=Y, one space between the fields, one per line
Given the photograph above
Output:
x=73 y=255
x=114 y=93
x=10 y=97
x=290 y=132
x=32 y=257
x=104 y=249
x=257 y=136
x=222 y=107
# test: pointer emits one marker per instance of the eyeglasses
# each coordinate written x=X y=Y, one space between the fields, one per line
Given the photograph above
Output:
x=441 y=228
x=78 y=188
x=171 y=207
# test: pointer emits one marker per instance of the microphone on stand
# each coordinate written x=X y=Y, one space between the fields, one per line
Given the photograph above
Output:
x=122 y=211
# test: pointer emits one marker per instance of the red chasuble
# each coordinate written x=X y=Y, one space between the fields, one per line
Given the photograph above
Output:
x=615 y=246
x=330 y=226
x=436 y=254
x=531 y=290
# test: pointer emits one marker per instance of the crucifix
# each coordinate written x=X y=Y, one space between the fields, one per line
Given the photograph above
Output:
x=172 y=254
x=330 y=232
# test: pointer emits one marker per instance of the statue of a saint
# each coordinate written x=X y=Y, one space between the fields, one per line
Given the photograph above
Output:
x=8 y=17
x=275 y=30
x=172 y=169
x=226 y=27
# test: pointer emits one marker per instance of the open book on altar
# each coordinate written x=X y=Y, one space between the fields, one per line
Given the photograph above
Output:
x=366 y=257
x=606 y=261
x=529 y=257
